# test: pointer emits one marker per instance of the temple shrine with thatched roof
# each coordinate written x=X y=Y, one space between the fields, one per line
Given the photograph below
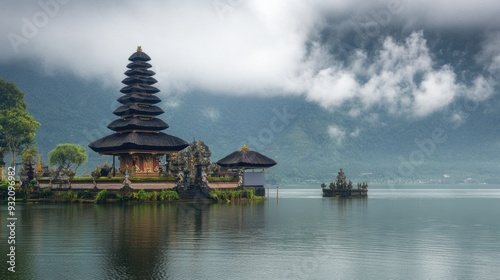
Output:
x=138 y=141
x=251 y=165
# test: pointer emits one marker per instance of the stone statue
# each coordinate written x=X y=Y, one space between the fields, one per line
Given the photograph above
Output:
x=127 y=182
x=180 y=178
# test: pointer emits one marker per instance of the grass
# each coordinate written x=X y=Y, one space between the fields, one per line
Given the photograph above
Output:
x=164 y=195
x=234 y=195
x=223 y=179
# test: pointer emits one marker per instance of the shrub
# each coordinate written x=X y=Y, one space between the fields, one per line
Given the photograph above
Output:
x=231 y=195
x=169 y=195
x=46 y=192
x=70 y=195
x=141 y=195
x=225 y=195
x=250 y=194
x=101 y=196
x=124 y=197
x=154 y=196
x=223 y=179
x=86 y=194
x=4 y=189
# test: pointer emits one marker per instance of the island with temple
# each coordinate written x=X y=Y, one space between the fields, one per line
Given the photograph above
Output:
x=148 y=164
x=343 y=188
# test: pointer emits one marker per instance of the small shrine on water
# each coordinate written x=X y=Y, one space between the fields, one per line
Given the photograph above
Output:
x=343 y=188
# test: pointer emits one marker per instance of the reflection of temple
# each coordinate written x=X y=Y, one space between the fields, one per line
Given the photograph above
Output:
x=138 y=140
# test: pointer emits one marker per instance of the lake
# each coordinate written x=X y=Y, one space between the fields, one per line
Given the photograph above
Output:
x=410 y=232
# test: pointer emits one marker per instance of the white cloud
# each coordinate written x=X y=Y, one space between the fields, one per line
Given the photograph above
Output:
x=211 y=113
x=355 y=133
x=336 y=133
x=451 y=13
x=401 y=77
x=437 y=90
x=259 y=47
x=490 y=58
x=331 y=88
x=254 y=49
x=457 y=118
x=481 y=89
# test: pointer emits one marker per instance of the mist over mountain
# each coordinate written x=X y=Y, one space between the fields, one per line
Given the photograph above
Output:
x=308 y=141
x=388 y=90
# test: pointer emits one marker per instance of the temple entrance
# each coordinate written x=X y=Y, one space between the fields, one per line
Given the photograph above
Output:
x=141 y=164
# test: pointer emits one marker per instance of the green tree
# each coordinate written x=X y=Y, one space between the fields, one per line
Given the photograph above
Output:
x=17 y=127
x=29 y=153
x=12 y=96
x=65 y=155
x=17 y=131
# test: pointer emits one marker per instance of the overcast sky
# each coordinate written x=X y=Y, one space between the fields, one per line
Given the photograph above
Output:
x=389 y=54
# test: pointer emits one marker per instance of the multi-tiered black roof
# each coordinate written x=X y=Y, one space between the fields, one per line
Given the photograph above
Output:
x=138 y=130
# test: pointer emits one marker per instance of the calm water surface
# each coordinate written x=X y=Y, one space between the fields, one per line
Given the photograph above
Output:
x=399 y=233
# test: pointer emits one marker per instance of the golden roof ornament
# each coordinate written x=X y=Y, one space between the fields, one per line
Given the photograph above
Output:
x=139 y=49
x=39 y=165
x=244 y=148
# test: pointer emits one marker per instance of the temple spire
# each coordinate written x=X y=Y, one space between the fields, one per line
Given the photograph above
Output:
x=138 y=128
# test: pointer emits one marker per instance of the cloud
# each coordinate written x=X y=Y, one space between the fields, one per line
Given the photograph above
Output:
x=489 y=56
x=332 y=87
x=211 y=113
x=337 y=133
x=267 y=48
x=253 y=49
x=400 y=77
x=453 y=14
x=355 y=133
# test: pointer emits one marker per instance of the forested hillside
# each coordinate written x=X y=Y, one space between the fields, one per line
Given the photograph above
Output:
x=308 y=142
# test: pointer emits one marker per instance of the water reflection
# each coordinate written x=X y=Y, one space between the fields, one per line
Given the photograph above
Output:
x=157 y=236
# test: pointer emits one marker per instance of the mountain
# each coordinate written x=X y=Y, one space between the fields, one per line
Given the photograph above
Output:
x=308 y=142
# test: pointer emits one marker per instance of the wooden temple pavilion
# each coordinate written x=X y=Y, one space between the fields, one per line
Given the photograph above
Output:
x=251 y=165
x=245 y=158
x=138 y=141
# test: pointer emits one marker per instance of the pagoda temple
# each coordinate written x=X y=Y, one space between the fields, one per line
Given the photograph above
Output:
x=138 y=141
